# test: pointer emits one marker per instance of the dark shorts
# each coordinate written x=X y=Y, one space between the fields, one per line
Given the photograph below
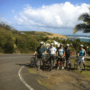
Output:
x=60 y=59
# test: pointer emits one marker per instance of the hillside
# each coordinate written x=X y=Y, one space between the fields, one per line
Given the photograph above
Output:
x=12 y=41
x=5 y=27
x=47 y=34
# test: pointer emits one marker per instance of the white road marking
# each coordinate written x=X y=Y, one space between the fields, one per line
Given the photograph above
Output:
x=15 y=57
x=21 y=78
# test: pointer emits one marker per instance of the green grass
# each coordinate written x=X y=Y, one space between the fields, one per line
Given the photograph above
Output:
x=48 y=85
x=30 y=70
x=86 y=72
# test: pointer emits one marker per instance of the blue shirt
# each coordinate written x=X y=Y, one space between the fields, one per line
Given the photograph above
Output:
x=81 y=53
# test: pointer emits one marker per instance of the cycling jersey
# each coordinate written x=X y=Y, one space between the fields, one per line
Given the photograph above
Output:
x=52 y=50
x=81 y=53
x=40 y=51
x=67 y=53
x=60 y=51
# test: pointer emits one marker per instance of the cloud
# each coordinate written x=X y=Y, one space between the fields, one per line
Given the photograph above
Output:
x=52 y=17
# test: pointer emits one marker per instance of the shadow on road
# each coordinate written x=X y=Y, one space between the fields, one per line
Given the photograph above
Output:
x=26 y=65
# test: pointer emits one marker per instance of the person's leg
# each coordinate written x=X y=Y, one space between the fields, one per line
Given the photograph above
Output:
x=38 y=63
x=66 y=62
x=78 y=62
x=43 y=61
x=70 y=63
x=81 y=64
x=51 y=60
x=58 y=63
x=84 y=65
x=62 y=63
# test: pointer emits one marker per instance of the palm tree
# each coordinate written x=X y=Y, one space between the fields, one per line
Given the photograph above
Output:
x=85 y=27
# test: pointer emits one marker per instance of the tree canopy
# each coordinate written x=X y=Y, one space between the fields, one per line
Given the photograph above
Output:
x=85 y=27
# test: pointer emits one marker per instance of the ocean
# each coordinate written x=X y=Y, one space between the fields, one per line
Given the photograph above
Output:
x=85 y=38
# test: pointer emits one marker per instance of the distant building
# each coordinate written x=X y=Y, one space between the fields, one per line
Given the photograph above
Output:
x=22 y=33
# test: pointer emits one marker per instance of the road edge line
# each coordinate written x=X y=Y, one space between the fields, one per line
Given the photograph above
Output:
x=21 y=78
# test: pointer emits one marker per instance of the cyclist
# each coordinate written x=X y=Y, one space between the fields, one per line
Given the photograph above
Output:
x=67 y=54
x=81 y=55
x=61 y=54
x=41 y=50
x=52 y=52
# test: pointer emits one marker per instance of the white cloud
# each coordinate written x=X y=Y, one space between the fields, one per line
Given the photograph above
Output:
x=63 y=15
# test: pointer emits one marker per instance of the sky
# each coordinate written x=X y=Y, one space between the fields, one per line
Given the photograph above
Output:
x=56 y=16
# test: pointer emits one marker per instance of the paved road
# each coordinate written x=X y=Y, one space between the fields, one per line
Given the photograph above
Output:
x=10 y=66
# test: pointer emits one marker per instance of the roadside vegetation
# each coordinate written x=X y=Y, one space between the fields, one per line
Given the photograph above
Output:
x=64 y=78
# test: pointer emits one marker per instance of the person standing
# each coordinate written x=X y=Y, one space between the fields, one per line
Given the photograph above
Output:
x=81 y=54
x=52 y=53
x=67 y=55
x=61 y=54
x=41 y=51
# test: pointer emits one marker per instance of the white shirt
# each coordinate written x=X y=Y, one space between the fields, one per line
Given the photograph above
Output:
x=52 y=50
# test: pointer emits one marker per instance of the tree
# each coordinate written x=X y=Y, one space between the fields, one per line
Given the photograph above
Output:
x=85 y=27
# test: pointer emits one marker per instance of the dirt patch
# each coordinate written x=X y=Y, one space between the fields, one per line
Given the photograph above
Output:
x=62 y=80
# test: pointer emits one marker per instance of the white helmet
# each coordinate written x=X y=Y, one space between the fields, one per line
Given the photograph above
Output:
x=61 y=44
x=67 y=45
x=41 y=42
x=81 y=45
x=52 y=44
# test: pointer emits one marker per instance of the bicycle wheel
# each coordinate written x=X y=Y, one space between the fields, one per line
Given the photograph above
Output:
x=81 y=65
x=38 y=64
x=32 y=61
x=52 y=64
x=47 y=58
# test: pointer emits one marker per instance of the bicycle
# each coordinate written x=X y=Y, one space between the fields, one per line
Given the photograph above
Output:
x=48 y=61
x=33 y=61
x=37 y=62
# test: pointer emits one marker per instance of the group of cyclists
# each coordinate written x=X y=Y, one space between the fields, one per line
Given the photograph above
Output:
x=60 y=55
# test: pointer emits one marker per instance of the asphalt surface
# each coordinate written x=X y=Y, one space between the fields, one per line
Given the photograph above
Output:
x=9 y=68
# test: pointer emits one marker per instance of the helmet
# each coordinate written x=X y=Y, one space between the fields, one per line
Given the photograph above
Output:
x=67 y=45
x=61 y=44
x=81 y=45
x=41 y=42
x=52 y=44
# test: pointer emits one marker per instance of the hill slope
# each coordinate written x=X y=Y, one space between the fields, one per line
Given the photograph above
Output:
x=47 y=34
